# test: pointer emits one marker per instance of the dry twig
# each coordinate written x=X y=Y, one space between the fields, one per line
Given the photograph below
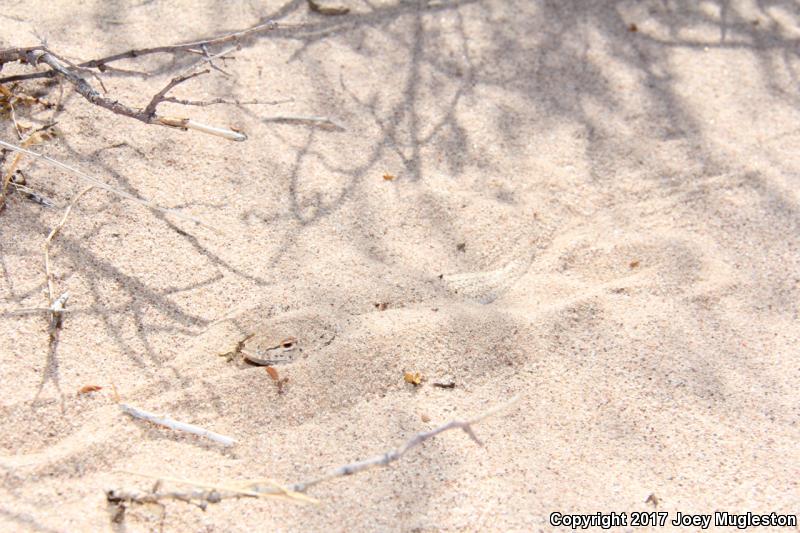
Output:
x=215 y=101
x=36 y=55
x=269 y=487
x=203 y=494
x=163 y=420
x=416 y=440
x=49 y=239
x=192 y=47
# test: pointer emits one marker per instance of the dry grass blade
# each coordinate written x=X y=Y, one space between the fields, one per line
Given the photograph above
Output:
x=50 y=238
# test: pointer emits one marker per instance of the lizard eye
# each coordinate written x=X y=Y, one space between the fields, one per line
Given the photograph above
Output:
x=288 y=343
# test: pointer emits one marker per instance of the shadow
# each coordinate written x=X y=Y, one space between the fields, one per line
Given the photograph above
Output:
x=26 y=521
x=50 y=371
x=468 y=87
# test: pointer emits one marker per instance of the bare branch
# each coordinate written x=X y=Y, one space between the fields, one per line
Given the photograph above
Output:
x=196 y=45
x=29 y=76
x=34 y=56
x=210 y=59
x=150 y=110
x=215 y=101
x=416 y=440
x=216 y=493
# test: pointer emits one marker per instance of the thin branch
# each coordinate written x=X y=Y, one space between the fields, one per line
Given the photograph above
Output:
x=215 y=101
x=30 y=311
x=14 y=119
x=393 y=455
x=210 y=59
x=163 y=420
x=29 y=76
x=84 y=88
x=269 y=487
x=188 y=124
x=150 y=110
x=171 y=49
x=211 y=493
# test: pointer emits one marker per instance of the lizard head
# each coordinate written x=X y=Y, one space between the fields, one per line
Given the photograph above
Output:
x=262 y=350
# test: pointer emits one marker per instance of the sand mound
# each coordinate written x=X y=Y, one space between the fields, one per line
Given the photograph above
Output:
x=592 y=206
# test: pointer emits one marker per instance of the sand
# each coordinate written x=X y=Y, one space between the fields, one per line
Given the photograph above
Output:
x=594 y=207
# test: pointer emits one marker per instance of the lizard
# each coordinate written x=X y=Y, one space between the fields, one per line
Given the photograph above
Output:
x=284 y=338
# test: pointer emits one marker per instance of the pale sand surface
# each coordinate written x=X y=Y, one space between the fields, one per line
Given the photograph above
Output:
x=629 y=208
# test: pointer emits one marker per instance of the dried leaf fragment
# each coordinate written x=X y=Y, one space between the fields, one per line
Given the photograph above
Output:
x=652 y=499
x=381 y=306
x=389 y=177
x=272 y=373
x=425 y=418
x=414 y=378
x=86 y=389
x=634 y=264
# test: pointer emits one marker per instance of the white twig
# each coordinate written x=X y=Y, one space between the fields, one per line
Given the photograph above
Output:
x=58 y=306
x=186 y=123
x=163 y=420
x=216 y=493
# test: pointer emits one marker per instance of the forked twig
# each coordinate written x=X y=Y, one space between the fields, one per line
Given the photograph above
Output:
x=269 y=487
x=416 y=440
x=188 y=47
x=36 y=55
